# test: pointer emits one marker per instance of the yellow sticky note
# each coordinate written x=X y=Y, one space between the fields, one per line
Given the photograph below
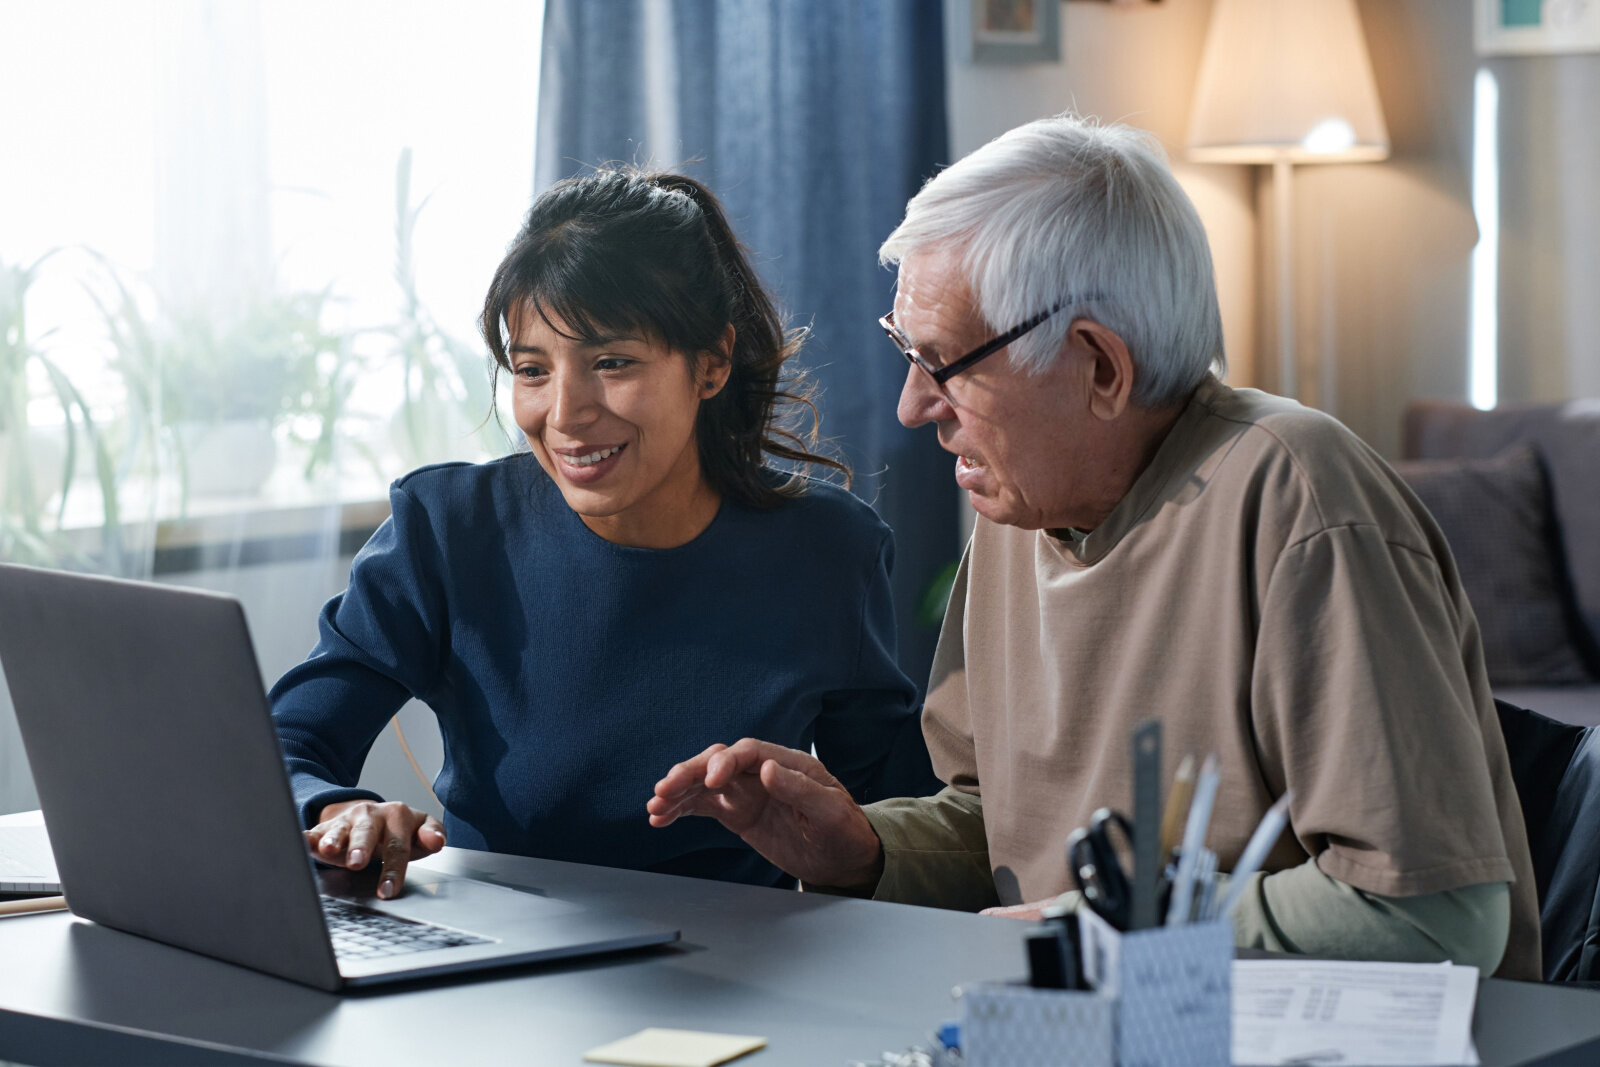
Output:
x=657 y=1047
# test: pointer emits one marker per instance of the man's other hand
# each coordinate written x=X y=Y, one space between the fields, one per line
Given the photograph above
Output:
x=1034 y=911
x=783 y=803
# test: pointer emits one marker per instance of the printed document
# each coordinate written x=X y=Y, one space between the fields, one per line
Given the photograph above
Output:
x=1330 y=1011
x=26 y=862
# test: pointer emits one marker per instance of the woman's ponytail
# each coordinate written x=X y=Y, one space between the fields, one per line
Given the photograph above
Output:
x=749 y=417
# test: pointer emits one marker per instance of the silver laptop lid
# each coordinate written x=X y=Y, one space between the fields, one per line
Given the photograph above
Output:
x=145 y=724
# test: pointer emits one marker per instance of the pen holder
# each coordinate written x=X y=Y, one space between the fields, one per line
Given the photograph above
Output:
x=1160 y=997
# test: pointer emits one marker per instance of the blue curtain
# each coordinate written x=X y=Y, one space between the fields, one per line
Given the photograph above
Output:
x=814 y=121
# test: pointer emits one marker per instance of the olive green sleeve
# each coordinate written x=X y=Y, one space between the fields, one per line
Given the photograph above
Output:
x=1304 y=911
x=935 y=852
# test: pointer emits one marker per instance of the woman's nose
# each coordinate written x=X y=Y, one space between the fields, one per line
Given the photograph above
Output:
x=573 y=402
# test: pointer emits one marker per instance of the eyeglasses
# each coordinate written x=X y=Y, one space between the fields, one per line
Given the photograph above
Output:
x=940 y=375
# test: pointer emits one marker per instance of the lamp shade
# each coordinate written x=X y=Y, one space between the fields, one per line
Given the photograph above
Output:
x=1286 y=80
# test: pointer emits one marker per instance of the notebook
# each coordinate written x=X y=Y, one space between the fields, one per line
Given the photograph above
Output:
x=147 y=729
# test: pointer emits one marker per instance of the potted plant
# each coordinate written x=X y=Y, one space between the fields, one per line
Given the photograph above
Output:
x=38 y=463
x=214 y=391
x=212 y=387
x=230 y=379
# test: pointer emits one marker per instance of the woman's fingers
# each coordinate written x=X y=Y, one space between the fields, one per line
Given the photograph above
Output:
x=429 y=838
x=330 y=840
x=365 y=833
x=396 y=854
x=353 y=834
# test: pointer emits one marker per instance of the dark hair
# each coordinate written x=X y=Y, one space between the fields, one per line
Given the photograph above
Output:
x=621 y=251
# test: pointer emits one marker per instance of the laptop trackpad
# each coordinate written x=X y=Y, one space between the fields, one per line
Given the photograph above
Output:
x=430 y=896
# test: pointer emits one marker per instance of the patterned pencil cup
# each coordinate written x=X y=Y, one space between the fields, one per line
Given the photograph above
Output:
x=1172 y=987
x=1007 y=1025
x=1162 y=998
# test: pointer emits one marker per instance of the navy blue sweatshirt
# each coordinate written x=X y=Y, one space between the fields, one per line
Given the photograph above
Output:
x=568 y=674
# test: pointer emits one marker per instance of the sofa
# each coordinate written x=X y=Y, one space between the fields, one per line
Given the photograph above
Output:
x=1516 y=490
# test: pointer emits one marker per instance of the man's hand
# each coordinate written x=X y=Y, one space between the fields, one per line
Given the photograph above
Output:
x=783 y=803
x=353 y=831
x=1065 y=904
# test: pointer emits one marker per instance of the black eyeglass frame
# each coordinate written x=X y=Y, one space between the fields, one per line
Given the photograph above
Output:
x=940 y=375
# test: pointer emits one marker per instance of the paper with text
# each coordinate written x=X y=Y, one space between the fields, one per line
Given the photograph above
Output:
x=1327 y=1011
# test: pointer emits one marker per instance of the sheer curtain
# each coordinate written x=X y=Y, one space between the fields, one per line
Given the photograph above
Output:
x=242 y=248
x=814 y=121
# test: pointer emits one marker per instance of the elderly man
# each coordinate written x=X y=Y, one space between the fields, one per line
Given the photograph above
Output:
x=1153 y=543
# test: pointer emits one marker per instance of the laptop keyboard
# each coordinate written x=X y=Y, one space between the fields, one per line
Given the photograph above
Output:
x=361 y=933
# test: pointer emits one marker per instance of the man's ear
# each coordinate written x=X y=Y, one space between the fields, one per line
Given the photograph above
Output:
x=1112 y=370
x=715 y=365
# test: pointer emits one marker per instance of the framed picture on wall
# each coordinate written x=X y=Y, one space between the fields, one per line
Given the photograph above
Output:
x=1536 y=27
x=1009 y=31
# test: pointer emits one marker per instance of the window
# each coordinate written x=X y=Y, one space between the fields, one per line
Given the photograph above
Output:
x=242 y=249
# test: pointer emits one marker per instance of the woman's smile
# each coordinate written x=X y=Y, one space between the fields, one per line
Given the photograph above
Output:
x=586 y=465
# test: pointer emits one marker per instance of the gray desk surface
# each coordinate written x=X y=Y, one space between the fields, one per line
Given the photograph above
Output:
x=826 y=980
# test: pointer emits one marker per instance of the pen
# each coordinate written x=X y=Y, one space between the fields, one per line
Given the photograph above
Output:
x=1147 y=855
x=1205 y=881
x=1194 y=837
x=1177 y=804
x=32 y=905
x=1255 y=853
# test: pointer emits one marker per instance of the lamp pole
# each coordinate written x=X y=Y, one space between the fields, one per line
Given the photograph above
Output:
x=1286 y=82
x=1283 y=238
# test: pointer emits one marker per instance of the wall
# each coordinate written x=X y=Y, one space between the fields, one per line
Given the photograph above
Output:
x=1134 y=63
x=1549 y=306
x=1382 y=251
x=1383 y=256
x=1384 y=270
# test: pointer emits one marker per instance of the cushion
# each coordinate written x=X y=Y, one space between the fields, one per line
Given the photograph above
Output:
x=1567 y=438
x=1495 y=513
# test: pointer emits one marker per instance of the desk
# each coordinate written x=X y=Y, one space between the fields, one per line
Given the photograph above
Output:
x=825 y=979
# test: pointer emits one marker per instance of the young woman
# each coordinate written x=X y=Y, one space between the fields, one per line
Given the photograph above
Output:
x=637 y=585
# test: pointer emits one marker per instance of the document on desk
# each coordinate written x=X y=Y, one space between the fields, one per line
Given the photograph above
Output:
x=26 y=863
x=1330 y=1011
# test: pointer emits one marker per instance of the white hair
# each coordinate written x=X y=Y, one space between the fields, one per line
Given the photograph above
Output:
x=1087 y=218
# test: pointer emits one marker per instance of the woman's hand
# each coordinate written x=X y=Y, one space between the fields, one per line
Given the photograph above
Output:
x=352 y=832
x=783 y=803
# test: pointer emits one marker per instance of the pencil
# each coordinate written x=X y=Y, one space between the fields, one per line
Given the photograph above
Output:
x=31 y=905
x=1177 y=805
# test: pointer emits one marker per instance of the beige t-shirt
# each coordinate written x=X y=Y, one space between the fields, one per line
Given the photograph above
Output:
x=1271 y=592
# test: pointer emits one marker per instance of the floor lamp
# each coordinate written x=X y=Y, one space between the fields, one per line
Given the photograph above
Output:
x=1285 y=82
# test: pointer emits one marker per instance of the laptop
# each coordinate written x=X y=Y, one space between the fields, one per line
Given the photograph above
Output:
x=147 y=729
